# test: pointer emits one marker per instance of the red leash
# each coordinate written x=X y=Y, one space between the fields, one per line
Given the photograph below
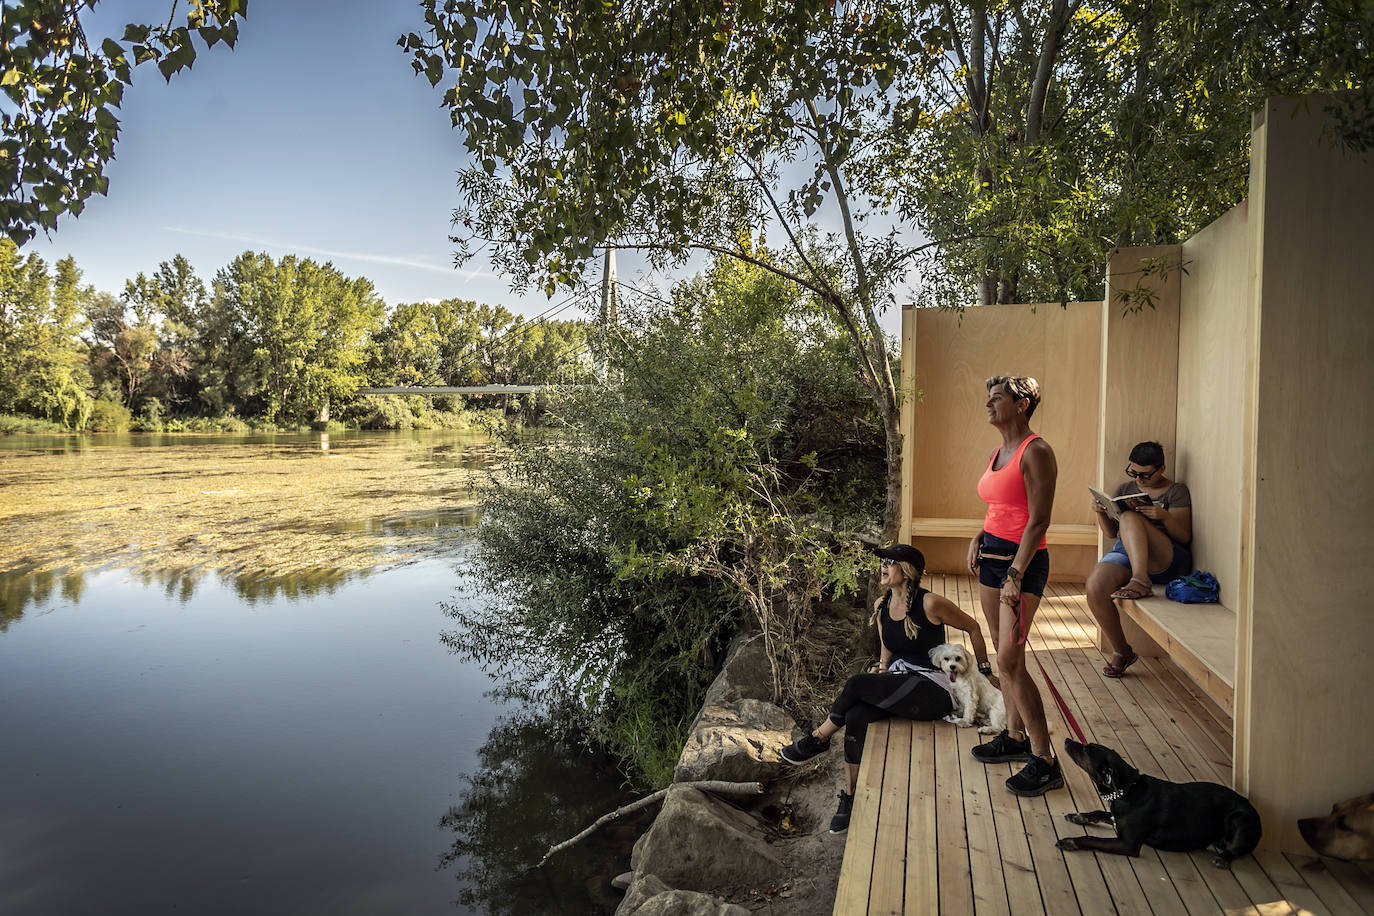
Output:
x=1021 y=636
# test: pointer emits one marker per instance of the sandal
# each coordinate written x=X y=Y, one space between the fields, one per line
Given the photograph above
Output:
x=1136 y=588
x=1114 y=668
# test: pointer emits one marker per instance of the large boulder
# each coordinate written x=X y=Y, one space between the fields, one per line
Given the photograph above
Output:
x=746 y=674
x=737 y=742
x=649 y=896
x=698 y=842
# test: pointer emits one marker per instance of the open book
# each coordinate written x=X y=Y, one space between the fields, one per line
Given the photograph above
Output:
x=1115 y=505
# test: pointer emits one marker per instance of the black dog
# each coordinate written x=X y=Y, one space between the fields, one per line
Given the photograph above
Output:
x=1174 y=816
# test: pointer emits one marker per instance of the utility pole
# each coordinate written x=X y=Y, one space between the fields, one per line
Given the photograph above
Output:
x=610 y=295
x=610 y=309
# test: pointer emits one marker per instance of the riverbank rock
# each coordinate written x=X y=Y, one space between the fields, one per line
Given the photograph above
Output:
x=738 y=732
x=738 y=742
x=745 y=675
x=698 y=842
x=649 y=896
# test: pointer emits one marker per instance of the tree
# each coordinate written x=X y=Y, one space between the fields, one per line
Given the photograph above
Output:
x=173 y=300
x=44 y=372
x=678 y=127
x=124 y=351
x=59 y=123
x=288 y=336
x=1024 y=139
x=1050 y=136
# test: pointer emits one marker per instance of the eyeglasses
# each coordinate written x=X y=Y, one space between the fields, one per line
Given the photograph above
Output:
x=885 y=563
x=1141 y=475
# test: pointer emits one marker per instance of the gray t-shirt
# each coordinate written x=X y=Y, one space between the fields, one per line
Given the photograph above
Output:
x=1176 y=497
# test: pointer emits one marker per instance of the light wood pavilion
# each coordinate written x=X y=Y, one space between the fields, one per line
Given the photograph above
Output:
x=1254 y=367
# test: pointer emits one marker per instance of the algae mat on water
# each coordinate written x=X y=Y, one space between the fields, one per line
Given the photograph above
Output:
x=251 y=509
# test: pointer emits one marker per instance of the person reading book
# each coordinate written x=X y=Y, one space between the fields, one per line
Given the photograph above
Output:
x=1151 y=546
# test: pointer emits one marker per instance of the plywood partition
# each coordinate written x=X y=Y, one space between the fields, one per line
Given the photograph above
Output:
x=1215 y=325
x=1253 y=364
x=1311 y=628
x=907 y=394
x=951 y=439
x=1139 y=363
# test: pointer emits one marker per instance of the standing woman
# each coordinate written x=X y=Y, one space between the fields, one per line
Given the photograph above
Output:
x=911 y=621
x=1013 y=566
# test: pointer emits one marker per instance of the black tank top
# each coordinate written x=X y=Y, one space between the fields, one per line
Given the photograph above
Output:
x=928 y=635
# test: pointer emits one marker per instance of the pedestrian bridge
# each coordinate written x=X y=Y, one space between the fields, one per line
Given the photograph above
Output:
x=461 y=389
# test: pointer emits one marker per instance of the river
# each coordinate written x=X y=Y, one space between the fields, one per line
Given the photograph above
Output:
x=223 y=689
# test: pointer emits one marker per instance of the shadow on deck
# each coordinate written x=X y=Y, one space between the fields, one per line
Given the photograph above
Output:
x=936 y=832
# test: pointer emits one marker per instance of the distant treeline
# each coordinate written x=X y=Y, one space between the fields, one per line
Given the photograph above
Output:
x=281 y=342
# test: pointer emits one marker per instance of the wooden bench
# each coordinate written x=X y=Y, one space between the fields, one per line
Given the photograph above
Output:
x=1200 y=638
x=1082 y=535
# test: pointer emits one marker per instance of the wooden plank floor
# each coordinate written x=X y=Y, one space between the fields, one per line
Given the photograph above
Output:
x=934 y=832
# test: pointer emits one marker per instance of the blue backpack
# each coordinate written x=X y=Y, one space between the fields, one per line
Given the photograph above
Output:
x=1195 y=588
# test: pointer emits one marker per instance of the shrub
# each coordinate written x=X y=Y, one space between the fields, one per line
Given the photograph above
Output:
x=694 y=491
x=108 y=417
x=12 y=425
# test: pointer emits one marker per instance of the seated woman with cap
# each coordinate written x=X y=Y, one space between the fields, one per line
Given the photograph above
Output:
x=911 y=621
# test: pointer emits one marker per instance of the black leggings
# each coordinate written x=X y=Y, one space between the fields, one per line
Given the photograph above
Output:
x=869 y=697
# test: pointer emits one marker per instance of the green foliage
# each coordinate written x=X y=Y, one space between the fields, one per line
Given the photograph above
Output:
x=285 y=337
x=277 y=340
x=44 y=372
x=696 y=489
x=1047 y=136
x=1023 y=139
x=459 y=342
x=61 y=95
x=11 y=425
x=682 y=126
x=108 y=417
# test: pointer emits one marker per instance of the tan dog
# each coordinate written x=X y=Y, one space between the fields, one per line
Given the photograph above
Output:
x=1346 y=833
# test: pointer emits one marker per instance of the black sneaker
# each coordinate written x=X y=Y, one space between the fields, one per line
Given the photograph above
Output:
x=840 y=822
x=1002 y=749
x=1037 y=778
x=803 y=749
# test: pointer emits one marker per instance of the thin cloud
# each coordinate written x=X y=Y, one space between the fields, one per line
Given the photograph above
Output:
x=325 y=252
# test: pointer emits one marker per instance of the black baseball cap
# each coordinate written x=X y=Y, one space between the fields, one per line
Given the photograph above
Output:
x=903 y=553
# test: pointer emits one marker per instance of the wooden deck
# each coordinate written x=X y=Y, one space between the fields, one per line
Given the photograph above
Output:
x=935 y=832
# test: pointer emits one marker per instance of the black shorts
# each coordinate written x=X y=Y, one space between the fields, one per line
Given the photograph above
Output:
x=993 y=573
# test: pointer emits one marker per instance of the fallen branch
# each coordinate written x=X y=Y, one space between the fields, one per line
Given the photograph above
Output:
x=720 y=787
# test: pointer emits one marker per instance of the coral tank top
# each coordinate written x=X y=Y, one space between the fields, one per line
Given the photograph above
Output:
x=1005 y=493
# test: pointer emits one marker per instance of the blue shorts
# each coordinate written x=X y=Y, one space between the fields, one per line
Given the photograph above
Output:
x=1180 y=565
x=993 y=573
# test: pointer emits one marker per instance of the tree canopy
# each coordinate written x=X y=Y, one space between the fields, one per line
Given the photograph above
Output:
x=62 y=89
x=278 y=340
x=1022 y=139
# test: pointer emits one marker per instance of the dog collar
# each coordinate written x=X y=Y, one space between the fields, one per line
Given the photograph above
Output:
x=1113 y=796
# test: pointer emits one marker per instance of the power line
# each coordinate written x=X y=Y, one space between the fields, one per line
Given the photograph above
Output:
x=542 y=318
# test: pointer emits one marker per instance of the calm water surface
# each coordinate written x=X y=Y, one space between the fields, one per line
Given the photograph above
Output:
x=207 y=742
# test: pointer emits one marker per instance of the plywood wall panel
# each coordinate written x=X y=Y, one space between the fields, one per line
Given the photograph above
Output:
x=1139 y=362
x=1308 y=735
x=954 y=355
x=1214 y=318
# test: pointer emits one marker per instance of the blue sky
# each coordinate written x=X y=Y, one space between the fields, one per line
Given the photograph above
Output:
x=313 y=137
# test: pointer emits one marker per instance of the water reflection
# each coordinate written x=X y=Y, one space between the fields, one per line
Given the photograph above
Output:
x=26 y=586
x=536 y=786
x=267 y=514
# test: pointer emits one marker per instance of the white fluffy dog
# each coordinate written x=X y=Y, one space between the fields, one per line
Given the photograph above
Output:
x=975 y=699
